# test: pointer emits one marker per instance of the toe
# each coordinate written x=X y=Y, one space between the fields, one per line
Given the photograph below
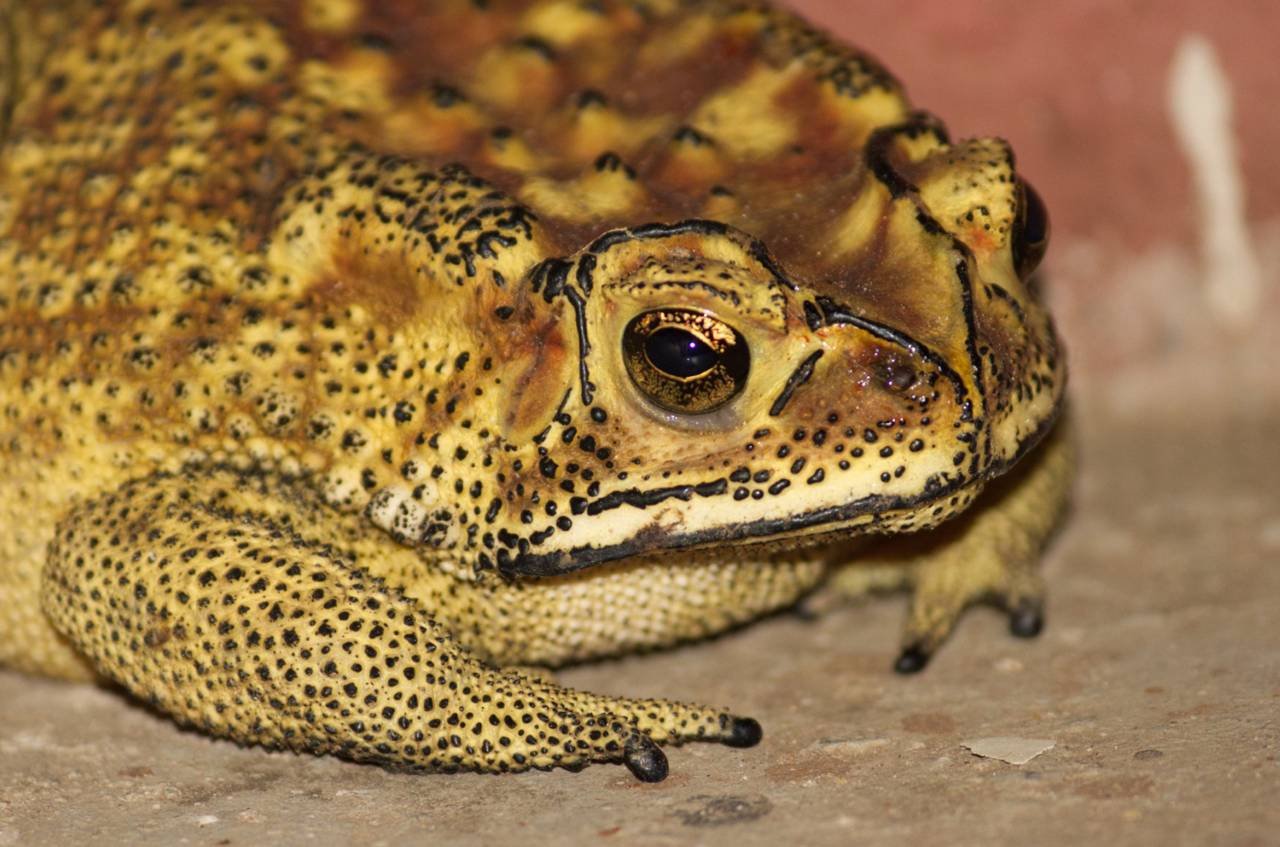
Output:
x=743 y=732
x=912 y=659
x=1026 y=620
x=645 y=759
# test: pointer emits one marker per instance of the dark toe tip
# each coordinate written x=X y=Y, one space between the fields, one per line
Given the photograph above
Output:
x=1026 y=621
x=744 y=732
x=911 y=660
x=645 y=759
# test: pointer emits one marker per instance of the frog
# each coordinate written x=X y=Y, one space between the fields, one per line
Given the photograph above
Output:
x=361 y=363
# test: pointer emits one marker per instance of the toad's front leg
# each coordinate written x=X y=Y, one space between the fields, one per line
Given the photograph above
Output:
x=990 y=553
x=233 y=623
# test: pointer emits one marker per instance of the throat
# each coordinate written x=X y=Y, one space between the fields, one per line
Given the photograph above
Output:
x=642 y=603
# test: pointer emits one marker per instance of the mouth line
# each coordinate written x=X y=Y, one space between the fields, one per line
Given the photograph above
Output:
x=816 y=527
x=867 y=510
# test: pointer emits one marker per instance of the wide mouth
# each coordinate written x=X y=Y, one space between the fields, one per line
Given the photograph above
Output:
x=817 y=527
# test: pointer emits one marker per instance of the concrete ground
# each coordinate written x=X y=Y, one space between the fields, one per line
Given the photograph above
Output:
x=1157 y=680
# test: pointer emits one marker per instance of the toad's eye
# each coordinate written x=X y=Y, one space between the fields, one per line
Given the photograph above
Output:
x=1030 y=230
x=685 y=361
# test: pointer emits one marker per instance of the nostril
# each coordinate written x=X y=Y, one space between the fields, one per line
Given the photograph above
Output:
x=813 y=317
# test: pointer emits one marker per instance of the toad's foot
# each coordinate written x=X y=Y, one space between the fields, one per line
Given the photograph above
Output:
x=988 y=554
x=228 y=621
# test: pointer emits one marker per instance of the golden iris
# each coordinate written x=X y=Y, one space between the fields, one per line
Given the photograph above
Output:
x=685 y=361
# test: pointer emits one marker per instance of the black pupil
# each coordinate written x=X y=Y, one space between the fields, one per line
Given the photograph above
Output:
x=679 y=353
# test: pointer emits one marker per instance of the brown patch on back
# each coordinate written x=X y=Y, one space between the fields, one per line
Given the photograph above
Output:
x=496 y=73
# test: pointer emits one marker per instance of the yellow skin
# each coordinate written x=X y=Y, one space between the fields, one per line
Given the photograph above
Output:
x=326 y=395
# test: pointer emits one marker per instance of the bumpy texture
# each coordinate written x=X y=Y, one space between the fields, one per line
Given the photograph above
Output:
x=352 y=350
